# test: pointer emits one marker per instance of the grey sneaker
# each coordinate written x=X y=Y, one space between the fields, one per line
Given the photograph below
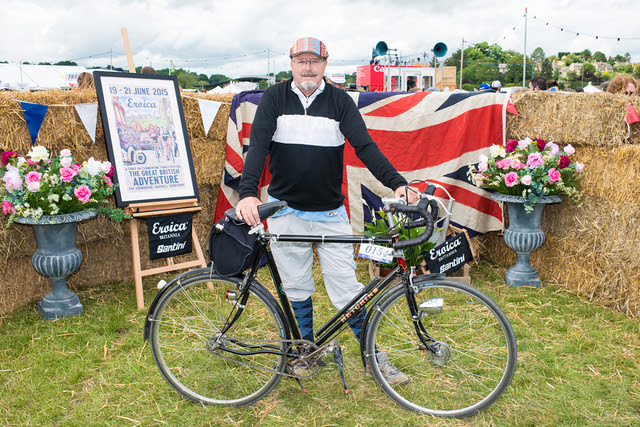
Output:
x=390 y=372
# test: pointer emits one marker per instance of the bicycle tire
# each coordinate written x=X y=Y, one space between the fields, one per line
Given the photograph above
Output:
x=478 y=357
x=182 y=333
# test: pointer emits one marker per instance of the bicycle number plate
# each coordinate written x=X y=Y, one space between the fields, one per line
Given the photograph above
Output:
x=376 y=253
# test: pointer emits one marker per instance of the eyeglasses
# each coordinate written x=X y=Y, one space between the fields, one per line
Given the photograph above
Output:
x=303 y=62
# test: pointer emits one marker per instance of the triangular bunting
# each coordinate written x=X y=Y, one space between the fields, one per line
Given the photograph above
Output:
x=632 y=115
x=34 y=116
x=208 y=110
x=89 y=115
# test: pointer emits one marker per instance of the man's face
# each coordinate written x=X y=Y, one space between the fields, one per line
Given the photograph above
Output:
x=307 y=75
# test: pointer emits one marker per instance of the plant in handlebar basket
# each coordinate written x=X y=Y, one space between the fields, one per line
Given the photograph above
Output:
x=530 y=169
x=41 y=185
x=414 y=256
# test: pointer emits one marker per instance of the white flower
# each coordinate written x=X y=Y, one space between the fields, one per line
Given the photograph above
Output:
x=65 y=162
x=38 y=153
x=106 y=167
x=66 y=197
x=482 y=158
x=553 y=147
x=33 y=186
x=21 y=161
x=569 y=150
x=524 y=143
x=53 y=198
x=526 y=180
x=65 y=153
x=495 y=150
x=92 y=167
x=579 y=167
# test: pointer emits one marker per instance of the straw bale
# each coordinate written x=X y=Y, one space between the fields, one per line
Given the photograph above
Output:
x=592 y=249
x=105 y=244
x=577 y=118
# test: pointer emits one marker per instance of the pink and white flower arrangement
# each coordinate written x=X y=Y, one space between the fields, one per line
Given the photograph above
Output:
x=530 y=169
x=41 y=185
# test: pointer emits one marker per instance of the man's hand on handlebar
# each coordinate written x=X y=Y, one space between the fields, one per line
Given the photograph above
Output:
x=411 y=193
x=247 y=210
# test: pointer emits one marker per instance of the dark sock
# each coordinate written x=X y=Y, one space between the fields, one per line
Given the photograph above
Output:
x=356 y=323
x=303 y=311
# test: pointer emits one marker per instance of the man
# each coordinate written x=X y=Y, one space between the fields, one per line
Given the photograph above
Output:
x=302 y=124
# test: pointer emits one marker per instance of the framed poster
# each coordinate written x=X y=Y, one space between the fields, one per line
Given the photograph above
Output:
x=146 y=137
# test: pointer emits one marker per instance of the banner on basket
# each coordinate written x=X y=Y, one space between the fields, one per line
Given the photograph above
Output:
x=450 y=255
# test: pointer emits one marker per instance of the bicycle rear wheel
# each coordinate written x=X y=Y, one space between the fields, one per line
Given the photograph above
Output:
x=197 y=361
x=476 y=345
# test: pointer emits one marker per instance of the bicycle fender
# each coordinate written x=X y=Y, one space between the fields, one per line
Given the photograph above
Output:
x=165 y=289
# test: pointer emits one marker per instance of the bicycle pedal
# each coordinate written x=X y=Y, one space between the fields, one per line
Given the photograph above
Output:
x=320 y=362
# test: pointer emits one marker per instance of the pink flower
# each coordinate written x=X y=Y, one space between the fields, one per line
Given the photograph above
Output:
x=83 y=193
x=554 y=175
x=112 y=172
x=108 y=181
x=526 y=180
x=76 y=167
x=7 y=208
x=569 y=150
x=12 y=179
x=511 y=146
x=67 y=174
x=503 y=163
x=511 y=179
x=579 y=167
x=535 y=160
x=8 y=155
x=31 y=162
x=33 y=176
x=65 y=162
x=541 y=143
x=524 y=144
x=65 y=153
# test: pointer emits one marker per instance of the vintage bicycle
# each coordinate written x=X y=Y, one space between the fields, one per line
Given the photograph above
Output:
x=227 y=340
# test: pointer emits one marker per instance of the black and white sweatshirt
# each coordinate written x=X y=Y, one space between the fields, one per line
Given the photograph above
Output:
x=306 y=148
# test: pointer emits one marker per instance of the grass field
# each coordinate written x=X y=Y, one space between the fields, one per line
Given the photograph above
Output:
x=577 y=366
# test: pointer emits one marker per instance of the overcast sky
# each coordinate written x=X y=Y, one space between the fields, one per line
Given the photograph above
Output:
x=252 y=37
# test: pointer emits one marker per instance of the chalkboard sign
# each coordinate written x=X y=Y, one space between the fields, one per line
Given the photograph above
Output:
x=450 y=255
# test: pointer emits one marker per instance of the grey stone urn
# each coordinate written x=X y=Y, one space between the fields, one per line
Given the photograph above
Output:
x=524 y=236
x=57 y=257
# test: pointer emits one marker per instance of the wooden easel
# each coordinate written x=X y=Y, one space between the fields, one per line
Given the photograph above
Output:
x=143 y=210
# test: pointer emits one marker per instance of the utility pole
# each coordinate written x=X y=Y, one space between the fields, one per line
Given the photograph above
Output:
x=461 y=62
x=524 y=56
x=268 y=68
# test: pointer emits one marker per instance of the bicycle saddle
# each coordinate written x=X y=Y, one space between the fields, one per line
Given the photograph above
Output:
x=265 y=210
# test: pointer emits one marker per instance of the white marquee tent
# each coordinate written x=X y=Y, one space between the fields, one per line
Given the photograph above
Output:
x=35 y=77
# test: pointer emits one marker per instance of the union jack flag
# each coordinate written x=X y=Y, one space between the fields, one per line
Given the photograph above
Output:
x=426 y=135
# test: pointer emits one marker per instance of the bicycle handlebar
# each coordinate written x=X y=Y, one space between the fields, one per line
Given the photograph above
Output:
x=426 y=221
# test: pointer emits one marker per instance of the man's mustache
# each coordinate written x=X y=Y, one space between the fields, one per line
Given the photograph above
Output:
x=309 y=74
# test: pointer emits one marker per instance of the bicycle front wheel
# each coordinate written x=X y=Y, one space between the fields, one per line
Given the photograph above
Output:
x=237 y=368
x=475 y=355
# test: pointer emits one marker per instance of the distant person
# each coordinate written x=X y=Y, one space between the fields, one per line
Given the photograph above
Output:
x=538 y=83
x=85 y=81
x=147 y=70
x=337 y=80
x=552 y=86
x=579 y=89
x=483 y=87
x=622 y=83
x=496 y=85
x=604 y=86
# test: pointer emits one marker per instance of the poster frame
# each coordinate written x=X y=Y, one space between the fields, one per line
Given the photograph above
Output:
x=169 y=90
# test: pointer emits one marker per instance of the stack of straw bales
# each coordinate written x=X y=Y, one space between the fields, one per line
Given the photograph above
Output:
x=105 y=244
x=591 y=247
